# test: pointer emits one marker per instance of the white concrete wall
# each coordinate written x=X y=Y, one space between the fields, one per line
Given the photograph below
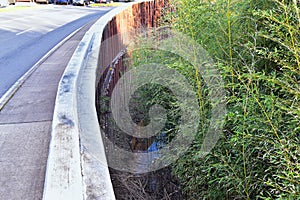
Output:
x=77 y=167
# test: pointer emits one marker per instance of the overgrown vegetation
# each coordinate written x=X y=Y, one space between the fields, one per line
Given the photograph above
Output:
x=256 y=45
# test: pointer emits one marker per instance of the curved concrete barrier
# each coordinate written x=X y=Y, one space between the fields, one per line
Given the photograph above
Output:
x=77 y=166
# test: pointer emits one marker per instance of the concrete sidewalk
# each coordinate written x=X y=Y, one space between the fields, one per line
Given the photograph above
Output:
x=25 y=126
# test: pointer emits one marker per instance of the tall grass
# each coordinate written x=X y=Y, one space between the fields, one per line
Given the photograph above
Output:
x=256 y=45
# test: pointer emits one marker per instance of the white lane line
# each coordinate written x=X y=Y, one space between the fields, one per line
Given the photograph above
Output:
x=16 y=19
x=23 y=31
x=13 y=89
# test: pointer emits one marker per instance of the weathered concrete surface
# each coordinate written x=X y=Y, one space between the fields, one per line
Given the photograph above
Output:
x=24 y=149
x=77 y=166
x=25 y=127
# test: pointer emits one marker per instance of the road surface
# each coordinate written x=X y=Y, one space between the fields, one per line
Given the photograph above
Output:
x=26 y=35
x=25 y=121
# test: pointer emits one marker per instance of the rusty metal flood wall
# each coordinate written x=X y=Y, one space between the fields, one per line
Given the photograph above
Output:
x=121 y=30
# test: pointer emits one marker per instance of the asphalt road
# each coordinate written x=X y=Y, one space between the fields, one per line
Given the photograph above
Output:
x=26 y=35
x=26 y=119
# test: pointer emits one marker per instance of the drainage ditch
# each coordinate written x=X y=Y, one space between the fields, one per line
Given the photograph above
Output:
x=156 y=184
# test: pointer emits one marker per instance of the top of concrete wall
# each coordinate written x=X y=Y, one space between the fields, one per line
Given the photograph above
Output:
x=77 y=166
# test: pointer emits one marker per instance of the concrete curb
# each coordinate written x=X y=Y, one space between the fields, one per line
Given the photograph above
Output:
x=77 y=166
